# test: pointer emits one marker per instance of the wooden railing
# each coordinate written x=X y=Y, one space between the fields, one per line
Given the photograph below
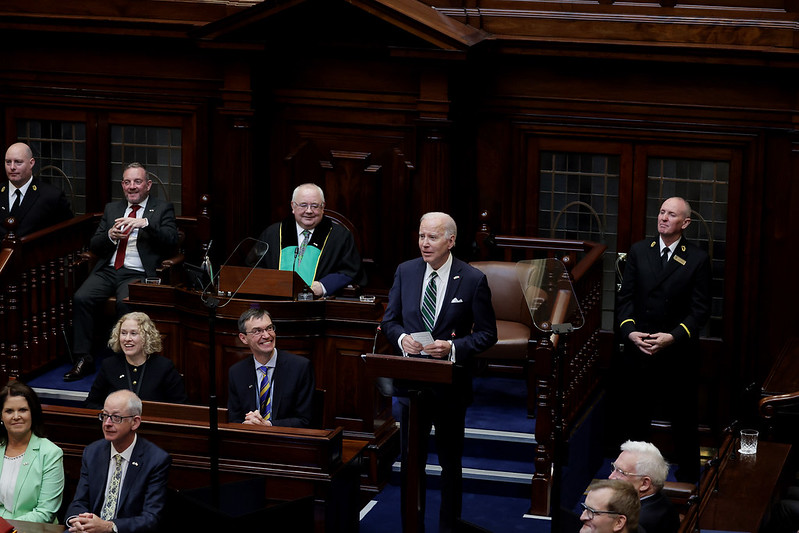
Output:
x=38 y=277
x=580 y=350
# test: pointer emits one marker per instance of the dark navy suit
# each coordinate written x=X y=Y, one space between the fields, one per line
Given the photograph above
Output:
x=143 y=494
x=42 y=206
x=467 y=318
x=292 y=396
x=672 y=299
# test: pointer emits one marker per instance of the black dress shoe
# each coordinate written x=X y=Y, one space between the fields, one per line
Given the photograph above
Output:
x=81 y=369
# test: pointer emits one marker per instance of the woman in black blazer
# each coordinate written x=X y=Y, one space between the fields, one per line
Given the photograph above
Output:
x=136 y=365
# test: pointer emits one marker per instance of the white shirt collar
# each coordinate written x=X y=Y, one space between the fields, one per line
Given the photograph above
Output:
x=671 y=248
x=443 y=271
x=142 y=205
x=126 y=455
x=300 y=229
x=270 y=364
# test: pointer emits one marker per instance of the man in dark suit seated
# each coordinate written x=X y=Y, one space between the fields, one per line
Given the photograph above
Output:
x=642 y=464
x=321 y=252
x=270 y=388
x=123 y=478
x=35 y=205
x=451 y=301
x=134 y=236
x=663 y=303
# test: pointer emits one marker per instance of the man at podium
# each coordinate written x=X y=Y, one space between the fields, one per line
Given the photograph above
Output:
x=449 y=302
x=309 y=243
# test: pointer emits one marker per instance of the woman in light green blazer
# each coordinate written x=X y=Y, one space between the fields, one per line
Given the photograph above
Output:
x=31 y=467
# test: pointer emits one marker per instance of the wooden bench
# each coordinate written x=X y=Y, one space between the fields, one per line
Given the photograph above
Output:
x=294 y=463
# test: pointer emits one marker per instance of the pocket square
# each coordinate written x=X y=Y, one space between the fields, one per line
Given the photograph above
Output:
x=456 y=301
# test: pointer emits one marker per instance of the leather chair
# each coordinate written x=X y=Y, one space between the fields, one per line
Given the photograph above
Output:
x=515 y=329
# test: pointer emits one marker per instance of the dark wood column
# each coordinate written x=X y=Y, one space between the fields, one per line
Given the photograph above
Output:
x=231 y=156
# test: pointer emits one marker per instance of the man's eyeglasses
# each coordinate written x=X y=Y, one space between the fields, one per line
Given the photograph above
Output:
x=116 y=419
x=593 y=512
x=614 y=468
x=312 y=207
x=257 y=332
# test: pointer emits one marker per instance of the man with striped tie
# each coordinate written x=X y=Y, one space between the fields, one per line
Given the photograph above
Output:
x=269 y=388
x=441 y=297
x=123 y=477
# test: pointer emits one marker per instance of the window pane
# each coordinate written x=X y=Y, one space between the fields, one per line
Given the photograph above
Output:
x=158 y=149
x=579 y=201
x=705 y=185
x=60 y=152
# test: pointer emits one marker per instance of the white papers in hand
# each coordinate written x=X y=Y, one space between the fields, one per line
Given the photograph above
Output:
x=424 y=338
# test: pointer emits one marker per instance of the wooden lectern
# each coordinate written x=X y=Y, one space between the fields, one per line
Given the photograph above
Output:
x=237 y=280
x=412 y=370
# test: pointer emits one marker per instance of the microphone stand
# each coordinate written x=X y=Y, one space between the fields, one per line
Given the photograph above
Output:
x=213 y=402
x=212 y=303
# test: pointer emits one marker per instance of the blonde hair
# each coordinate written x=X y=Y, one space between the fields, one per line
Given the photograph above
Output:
x=148 y=331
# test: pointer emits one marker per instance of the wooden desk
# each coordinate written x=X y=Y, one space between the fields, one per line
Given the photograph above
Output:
x=745 y=488
x=36 y=527
x=295 y=463
x=331 y=333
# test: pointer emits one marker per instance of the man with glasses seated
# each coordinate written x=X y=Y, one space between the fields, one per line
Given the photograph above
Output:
x=123 y=478
x=611 y=506
x=270 y=388
x=309 y=243
x=642 y=464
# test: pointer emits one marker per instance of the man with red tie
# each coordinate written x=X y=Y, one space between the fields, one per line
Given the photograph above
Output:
x=134 y=236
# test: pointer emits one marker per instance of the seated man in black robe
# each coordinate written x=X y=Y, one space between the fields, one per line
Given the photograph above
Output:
x=321 y=252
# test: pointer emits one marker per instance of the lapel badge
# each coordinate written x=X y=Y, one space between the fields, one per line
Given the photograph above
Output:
x=456 y=277
x=682 y=248
x=3 y=189
x=34 y=187
x=134 y=463
x=679 y=259
x=652 y=245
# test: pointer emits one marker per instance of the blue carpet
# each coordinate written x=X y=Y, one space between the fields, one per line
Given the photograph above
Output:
x=500 y=403
x=54 y=379
x=493 y=513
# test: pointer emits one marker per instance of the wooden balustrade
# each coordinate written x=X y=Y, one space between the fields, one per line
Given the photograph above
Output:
x=38 y=277
x=581 y=349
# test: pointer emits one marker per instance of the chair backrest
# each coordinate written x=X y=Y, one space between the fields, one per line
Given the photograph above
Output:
x=506 y=291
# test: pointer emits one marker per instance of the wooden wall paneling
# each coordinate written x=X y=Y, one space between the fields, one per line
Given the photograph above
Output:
x=775 y=194
x=231 y=181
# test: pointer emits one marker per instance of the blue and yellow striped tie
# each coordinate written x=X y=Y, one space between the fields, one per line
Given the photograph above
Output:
x=429 y=302
x=264 y=396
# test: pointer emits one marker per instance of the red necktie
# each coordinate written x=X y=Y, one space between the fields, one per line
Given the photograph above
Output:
x=123 y=242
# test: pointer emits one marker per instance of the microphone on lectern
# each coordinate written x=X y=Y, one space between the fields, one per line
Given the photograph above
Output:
x=377 y=332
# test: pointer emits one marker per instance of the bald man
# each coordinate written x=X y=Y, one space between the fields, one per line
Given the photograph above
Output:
x=35 y=205
x=661 y=308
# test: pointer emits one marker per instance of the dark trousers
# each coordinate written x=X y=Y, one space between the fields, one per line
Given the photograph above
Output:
x=443 y=408
x=98 y=287
x=664 y=385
